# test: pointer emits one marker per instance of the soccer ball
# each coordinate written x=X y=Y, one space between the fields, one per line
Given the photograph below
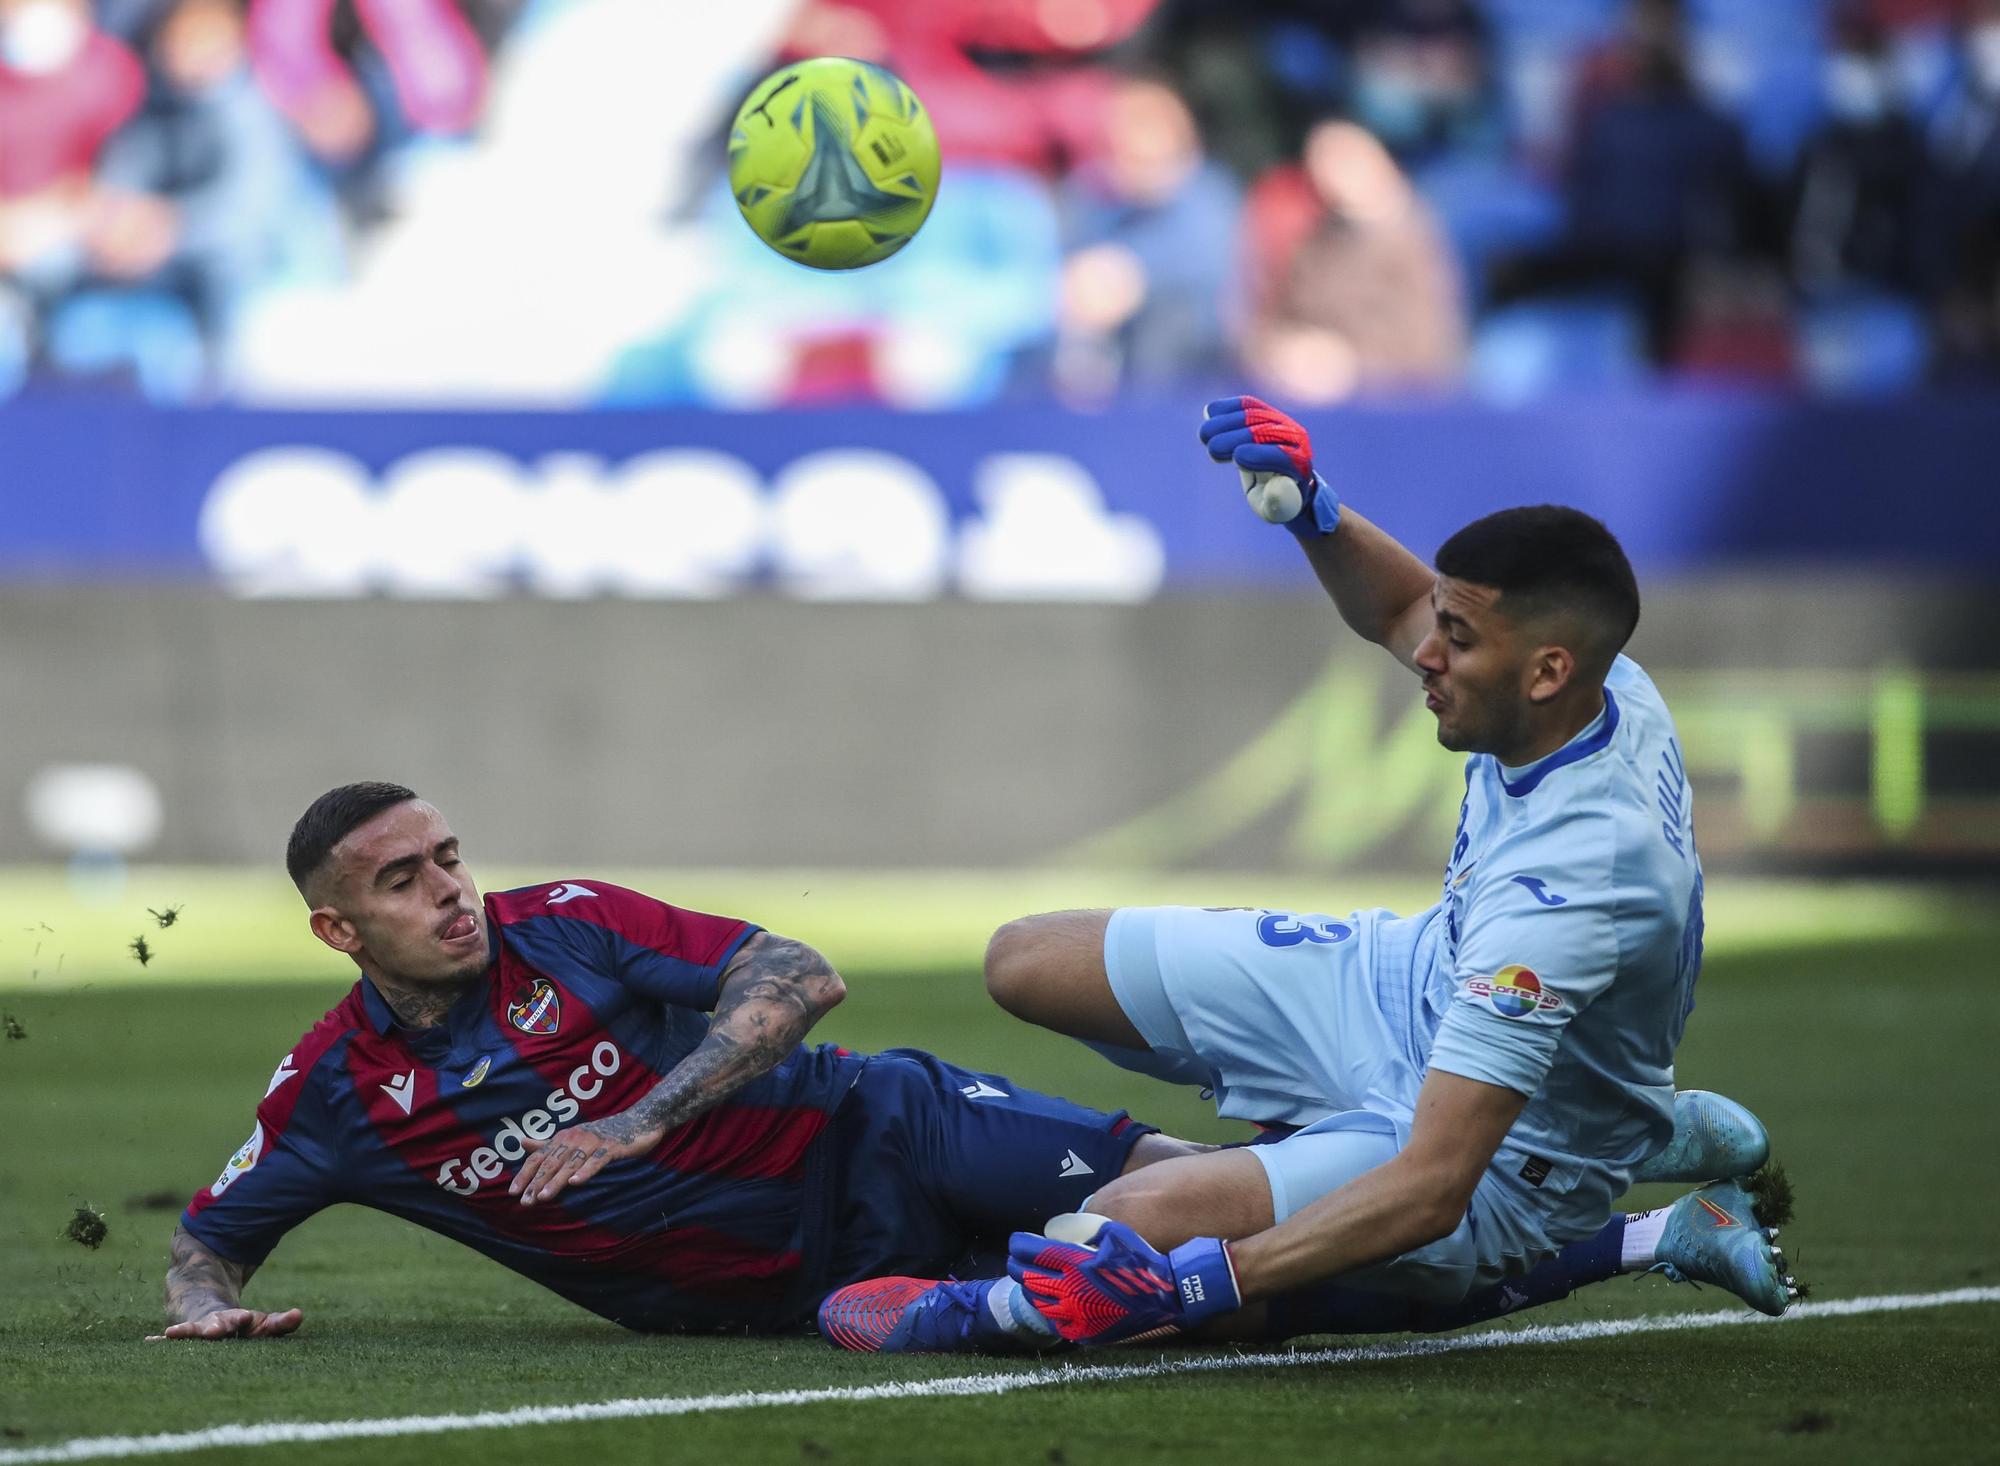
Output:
x=833 y=162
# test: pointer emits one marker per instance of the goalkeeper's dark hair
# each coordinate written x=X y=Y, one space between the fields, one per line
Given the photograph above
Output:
x=330 y=818
x=1550 y=559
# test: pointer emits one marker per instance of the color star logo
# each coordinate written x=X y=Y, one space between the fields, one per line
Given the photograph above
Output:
x=1515 y=992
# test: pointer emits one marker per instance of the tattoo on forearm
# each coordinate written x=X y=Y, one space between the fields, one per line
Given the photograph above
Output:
x=199 y=1282
x=773 y=992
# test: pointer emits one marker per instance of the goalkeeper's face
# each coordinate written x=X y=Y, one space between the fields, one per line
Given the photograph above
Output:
x=1478 y=670
x=400 y=900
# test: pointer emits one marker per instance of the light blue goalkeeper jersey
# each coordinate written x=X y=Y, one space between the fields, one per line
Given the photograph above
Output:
x=1562 y=960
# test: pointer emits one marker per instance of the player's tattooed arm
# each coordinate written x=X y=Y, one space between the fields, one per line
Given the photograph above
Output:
x=204 y=1295
x=773 y=991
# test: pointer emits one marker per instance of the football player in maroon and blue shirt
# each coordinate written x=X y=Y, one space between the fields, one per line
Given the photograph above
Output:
x=609 y=1095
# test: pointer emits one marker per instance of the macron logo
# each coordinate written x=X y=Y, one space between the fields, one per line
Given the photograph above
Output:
x=285 y=1071
x=1075 y=1165
x=980 y=1089
x=402 y=1089
x=568 y=892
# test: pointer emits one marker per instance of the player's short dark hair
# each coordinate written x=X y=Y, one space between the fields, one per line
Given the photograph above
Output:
x=329 y=819
x=1549 y=558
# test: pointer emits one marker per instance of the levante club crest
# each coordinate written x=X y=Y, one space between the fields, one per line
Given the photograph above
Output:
x=536 y=1009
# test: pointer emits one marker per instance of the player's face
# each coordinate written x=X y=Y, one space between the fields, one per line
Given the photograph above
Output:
x=1474 y=664
x=403 y=902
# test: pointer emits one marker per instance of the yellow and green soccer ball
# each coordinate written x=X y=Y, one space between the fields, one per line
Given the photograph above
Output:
x=833 y=162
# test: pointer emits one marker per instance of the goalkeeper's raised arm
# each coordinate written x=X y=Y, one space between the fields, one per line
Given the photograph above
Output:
x=1381 y=589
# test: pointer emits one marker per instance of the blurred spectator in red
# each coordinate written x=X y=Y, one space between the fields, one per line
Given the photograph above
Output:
x=1351 y=285
x=1851 y=212
x=1650 y=51
x=1736 y=323
x=65 y=88
x=1151 y=229
x=1655 y=178
x=1011 y=82
x=1902 y=14
x=1420 y=76
x=432 y=53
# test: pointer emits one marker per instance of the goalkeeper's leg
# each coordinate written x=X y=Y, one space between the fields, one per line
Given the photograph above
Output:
x=1049 y=970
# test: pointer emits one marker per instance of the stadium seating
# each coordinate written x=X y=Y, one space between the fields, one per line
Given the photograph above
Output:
x=1584 y=343
x=1863 y=343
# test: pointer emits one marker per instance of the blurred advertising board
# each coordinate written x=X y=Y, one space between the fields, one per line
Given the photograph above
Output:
x=1008 y=504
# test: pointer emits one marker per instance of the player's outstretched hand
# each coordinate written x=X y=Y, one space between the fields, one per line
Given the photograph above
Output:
x=1273 y=456
x=1112 y=1286
x=571 y=1157
x=233 y=1323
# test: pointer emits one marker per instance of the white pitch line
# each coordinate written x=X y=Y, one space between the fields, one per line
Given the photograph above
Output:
x=294 y=1432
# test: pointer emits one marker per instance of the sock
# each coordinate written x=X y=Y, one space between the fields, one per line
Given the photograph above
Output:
x=1008 y=1306
x=1642 y=1239
x=1329 y=1308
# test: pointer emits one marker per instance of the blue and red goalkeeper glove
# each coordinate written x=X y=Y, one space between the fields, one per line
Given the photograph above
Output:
x=1274 y=456
x=1117 y=1288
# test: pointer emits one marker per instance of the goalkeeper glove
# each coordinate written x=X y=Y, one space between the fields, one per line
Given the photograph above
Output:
x=1111 y=1286
x=1274 y=456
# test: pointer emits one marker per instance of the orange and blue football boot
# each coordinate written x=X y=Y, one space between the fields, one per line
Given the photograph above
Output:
x=1719 y=1235
x=918 y=1316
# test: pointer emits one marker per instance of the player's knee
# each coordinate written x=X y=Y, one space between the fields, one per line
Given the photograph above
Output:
x=1013 y=966
x=1223 y=1194
x=1040 y=967
x=1159 y=1212
x=1141 y=1204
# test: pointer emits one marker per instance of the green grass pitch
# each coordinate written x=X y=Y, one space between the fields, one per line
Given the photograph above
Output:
x=1871 y=1056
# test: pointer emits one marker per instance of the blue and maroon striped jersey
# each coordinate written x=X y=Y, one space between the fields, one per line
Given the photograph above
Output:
x=593 y=994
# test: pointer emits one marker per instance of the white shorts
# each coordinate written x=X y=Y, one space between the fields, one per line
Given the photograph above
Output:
x=1278 y=1013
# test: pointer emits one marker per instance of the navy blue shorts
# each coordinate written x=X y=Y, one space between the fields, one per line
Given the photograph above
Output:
x=937 y=1164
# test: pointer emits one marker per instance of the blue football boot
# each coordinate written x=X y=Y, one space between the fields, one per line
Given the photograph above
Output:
x=1718 y=1235
x=917 y=1316
x=1715 y=1138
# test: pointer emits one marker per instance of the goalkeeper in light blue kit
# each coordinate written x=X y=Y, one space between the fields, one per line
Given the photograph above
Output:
x=1457 y=1098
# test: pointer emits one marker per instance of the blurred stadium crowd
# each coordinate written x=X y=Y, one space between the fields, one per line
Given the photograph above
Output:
x=383 y=201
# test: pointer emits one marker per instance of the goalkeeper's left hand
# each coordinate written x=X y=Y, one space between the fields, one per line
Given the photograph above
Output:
x=1115 y=1287
x=1273 y=456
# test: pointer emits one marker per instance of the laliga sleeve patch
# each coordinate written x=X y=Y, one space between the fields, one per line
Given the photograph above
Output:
x=1515 y=992
x=241 y=1162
